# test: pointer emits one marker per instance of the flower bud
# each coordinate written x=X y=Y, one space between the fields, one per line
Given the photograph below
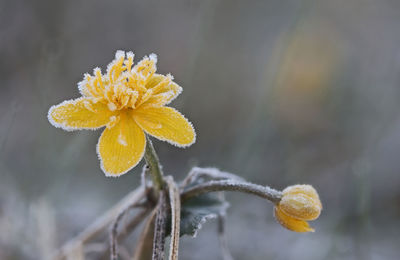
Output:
x=299 y=204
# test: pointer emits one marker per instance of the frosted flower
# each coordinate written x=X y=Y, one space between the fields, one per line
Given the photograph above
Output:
x=129 y=101
x=299 y=204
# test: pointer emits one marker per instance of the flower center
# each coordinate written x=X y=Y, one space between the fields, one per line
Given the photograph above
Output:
x=123 y=86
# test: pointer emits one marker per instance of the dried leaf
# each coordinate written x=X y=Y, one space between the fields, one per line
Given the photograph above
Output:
x=175 y=200
x=144 y=247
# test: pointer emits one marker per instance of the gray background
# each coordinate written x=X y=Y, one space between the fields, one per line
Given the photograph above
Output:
x=280 y=92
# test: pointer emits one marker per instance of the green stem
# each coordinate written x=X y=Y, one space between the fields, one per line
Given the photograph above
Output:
x=153 y=163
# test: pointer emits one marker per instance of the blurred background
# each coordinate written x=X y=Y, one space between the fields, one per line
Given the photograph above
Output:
x=280 y=93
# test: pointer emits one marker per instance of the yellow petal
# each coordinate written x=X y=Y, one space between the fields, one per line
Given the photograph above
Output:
x=121 y=147
x=146 y=68
x=81 y=113
x=291 y=223
x=164 y=90
x=167 y=124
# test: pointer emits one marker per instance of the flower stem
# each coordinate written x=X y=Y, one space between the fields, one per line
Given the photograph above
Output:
x=229 y=185
x=153 y=163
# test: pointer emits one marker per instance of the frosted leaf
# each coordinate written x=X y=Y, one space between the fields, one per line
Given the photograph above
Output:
x=196 y=211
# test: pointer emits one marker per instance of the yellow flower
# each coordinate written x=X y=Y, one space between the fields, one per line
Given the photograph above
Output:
x=129 y=101
x=299 y=204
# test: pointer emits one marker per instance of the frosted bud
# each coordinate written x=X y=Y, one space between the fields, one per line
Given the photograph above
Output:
x=299 y=204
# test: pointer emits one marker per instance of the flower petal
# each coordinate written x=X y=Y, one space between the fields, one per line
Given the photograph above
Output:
x=80 y=113
x=163 y=90
x=121 y=147
x=167 y=124
x=291 y=223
